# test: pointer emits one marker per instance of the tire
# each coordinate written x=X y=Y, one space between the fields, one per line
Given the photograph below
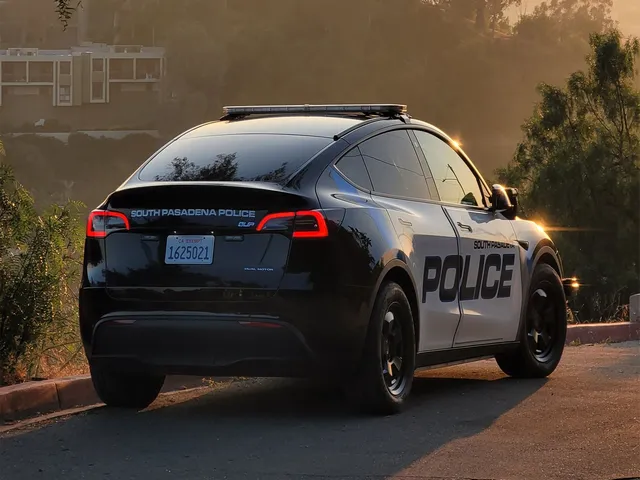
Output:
x=126 y=390
x=391 y=335
x=544 y=331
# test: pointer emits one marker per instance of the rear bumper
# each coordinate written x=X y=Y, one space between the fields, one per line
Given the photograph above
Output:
x=197 y=343
x=296 y=338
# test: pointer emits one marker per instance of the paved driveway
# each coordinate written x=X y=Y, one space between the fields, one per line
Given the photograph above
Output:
x=464 y=422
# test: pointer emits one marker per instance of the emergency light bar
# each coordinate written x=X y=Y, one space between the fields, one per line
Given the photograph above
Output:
x=374 y=109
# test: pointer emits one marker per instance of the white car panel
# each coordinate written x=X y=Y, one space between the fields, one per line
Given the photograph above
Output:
x=424 y=231
x=490 y=283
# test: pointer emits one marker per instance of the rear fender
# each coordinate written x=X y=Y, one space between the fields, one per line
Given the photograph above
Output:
x=398 y=271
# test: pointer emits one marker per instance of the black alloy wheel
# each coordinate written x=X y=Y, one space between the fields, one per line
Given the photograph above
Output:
x=541 y=325
x=384 y=377
x=392 y=351
x=542 y=336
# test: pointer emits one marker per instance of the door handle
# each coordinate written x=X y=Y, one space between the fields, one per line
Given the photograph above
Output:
x=404 y=222
x=465 y=227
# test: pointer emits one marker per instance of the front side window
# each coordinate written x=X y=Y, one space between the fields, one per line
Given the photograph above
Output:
x=233 y=158
x=393 y=165
x=455 y=181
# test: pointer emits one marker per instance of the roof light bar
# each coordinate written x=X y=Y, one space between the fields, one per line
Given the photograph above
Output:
x=377 y=108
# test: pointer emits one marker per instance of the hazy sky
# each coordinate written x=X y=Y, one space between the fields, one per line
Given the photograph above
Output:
x=626 y=12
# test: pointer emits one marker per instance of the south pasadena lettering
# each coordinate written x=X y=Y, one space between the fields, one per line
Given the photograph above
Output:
x=193 y=212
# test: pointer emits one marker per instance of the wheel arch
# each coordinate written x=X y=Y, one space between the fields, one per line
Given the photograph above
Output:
x=398 y=271
x=546 y=252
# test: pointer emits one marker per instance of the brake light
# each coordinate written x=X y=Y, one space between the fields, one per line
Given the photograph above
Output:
x=276 y=221
x=306 y=224
x=310 y=224
x=101 y=221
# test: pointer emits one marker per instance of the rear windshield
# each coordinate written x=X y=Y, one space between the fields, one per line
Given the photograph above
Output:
x=253 y=157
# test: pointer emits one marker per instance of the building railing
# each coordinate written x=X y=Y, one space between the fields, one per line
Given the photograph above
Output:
x=40 y=77
x=10 y=77
x=141 y=75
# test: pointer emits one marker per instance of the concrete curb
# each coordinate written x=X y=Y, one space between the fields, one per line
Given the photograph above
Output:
x=37 y=398
x=28 y=399
x=603 y=332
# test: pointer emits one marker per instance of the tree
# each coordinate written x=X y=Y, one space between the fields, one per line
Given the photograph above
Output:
x=564 y=21
x=484 y=13
x=578 y=167
x=65 y=9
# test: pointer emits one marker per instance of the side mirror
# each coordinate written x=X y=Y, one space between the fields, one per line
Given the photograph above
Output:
x=512 y=193
x=501 y=201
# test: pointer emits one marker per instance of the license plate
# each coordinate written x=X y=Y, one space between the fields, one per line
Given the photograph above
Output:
x=189 y=250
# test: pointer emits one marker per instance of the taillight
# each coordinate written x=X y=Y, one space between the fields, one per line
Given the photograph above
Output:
x=310 y=224
x=100 y=222
x=306 y=224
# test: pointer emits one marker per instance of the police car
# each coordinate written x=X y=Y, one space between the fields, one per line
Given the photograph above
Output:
x=348 y=242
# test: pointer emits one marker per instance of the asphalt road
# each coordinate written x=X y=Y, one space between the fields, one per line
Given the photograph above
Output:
x=464 y=422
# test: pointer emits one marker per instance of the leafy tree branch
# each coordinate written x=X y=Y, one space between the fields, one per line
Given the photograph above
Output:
x=579 y=164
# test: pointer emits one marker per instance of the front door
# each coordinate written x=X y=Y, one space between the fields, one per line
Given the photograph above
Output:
x=490 y=292
x=486 y=274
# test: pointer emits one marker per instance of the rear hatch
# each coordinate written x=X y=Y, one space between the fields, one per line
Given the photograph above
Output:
x=203 y=225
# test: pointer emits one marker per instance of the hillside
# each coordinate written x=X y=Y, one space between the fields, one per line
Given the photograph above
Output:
x=625 y=12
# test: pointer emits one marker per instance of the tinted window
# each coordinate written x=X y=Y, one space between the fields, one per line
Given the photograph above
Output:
x=352 y=167
x=263 y=158
x=455 y=181
x=393 y=165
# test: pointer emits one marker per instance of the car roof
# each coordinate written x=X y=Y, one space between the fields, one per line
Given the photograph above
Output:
x=319 y=125
x=314 y=125
x=308 y=125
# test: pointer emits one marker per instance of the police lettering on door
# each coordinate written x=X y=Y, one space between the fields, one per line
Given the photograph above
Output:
x=438 y=272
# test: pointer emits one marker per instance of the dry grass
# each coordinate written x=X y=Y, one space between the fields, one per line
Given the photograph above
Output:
x=63 y=362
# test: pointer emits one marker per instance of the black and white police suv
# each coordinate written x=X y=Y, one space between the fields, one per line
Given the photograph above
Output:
x=351 y=242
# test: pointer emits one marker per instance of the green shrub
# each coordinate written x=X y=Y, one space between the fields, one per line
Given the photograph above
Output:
x=39 y=273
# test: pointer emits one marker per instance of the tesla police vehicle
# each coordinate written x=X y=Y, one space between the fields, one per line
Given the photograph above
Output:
x=349 y=242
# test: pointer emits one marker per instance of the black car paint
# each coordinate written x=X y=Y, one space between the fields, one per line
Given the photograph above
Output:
x=321 y=304
x=310 y=315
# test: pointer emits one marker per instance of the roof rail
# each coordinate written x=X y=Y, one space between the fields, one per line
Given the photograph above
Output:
x=385 y=109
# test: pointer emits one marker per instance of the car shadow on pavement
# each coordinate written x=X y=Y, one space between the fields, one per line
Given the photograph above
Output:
x=265 y=429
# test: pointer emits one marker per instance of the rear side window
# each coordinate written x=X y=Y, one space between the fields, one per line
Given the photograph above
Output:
x=393 y=165
x=352 y=167
x=228 y=158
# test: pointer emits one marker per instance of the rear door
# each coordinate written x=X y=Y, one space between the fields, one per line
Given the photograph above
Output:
x=488 y=272
x=201 y=223
x=423 y=230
